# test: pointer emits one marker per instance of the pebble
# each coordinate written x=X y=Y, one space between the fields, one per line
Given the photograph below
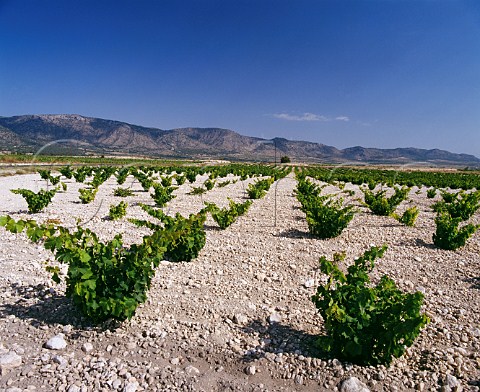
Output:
x=240 y=319
x=192 y=370
x=10 y=360
x=131 y=387
x=353 y=384
x=57 y=342
x=451 y=384
x=250 y=370
x=274 y=318
x=309 y=283
x=87 y=347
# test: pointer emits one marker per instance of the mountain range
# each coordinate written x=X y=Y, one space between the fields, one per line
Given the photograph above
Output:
x=75 y=134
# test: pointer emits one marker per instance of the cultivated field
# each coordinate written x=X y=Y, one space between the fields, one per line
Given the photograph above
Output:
x=239 y=317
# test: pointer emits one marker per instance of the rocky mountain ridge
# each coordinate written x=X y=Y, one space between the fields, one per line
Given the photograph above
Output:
x=82 y=134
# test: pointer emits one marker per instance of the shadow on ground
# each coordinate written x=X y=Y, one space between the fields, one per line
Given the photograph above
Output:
x=280 y=338
x=293 y=233
x=36 y=305
x=475 y=281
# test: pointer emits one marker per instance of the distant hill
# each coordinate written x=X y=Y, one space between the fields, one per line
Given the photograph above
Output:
x=79 y=134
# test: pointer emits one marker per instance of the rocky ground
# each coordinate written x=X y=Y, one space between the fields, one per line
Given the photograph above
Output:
x=238 y=318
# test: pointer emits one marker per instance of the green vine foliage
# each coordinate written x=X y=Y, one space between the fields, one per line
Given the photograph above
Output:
x=366 y=324
x=461 y=205
x=122 y=174
x=326 y=218
x=209 y=184
x=162 y=195
x=409 y=216
x=191 y=176
x=187 y=235
x=66 y=171
x=381 y=205
x=306 y=190
x=326 y=215
x=259 y=189
x=82 y=173
x=180 y=179
x=101 y=175
x=448 y=235
x=47 y=175
x=224 y=217
x=222 y=184
x=197 y=190
x=431 y=193
x=87 y=195
x=105 y=280
x=36 y=201
x=448 y=197
x=166 y=181
x=118 y=211
x=122 y=192
x=145 y=181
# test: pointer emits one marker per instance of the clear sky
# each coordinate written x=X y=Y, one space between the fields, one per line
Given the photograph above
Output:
x=343 y=73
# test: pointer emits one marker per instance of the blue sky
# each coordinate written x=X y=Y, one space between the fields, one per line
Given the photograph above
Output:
x=344 y=73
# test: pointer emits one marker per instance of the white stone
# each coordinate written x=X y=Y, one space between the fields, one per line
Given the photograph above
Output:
x=131 y=387
x=250 y=370
x=451 y=384
x=240 y=319
x=309 y=283
x=59 y=360
x=275 y=318
x=56 y=343
x=10 y=360
x=87 y=347
x=353 y=384
x=191 y=370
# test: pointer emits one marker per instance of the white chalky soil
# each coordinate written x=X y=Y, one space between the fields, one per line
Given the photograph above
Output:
x=240 y=316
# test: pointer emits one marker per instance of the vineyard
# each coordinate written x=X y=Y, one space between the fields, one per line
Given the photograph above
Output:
x=240 y=277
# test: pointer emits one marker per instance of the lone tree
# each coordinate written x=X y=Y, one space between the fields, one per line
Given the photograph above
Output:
x=285 y=159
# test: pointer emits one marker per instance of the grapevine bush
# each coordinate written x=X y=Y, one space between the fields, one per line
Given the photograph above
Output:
x=87 y=195
x=188 y=233
x=326 y=215
x=381 y=205
x=431 y=193
x=118 y=211
x=47 y=175
x=258 y=189
x=209 y=184
x=448 y=234
x=366 y=324
x=459 y=205
x=226 y=216
x=162 y=195
x=122 y=192
x=409 y=216
x=36 y=201
x=66 y=171
x=105 y=280
x=121 y=175
x=197 y=190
